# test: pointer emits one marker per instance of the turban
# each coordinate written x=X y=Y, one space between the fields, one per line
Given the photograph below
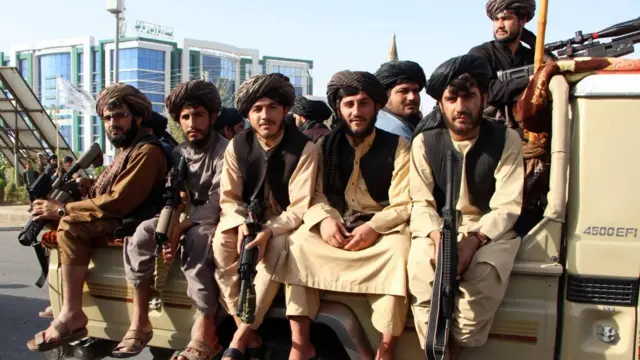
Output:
x=274 y=86
x=157 y=122
x=227 y=117
x=476 y=66
x=360 y=80
x=311 y=109
x=394 y=73
x=522 y=8
x=193 y=93
x=126 y=94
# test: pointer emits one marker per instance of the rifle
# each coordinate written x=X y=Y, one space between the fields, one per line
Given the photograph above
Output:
x=64 y=190
x=248 y=262
x=584 y=45
x=168 y=218
x=445 y=284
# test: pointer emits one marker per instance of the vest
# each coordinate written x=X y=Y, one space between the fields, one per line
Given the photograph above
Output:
x=276 y=167
x=481 y=162
x=151 y=206
x=316 y=132
x=376 y=166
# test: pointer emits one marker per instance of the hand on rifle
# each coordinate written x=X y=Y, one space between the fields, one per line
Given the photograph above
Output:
x=334 y=233
x=467 y=247
x=260 y=241
x=45 y=209
x=84 y=185
x=363 y=238
x=169 y=248
x=184 y=202
x=435 y=237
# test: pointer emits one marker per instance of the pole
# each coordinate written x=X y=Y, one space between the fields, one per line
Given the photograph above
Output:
x=542 y=27
x=116 y=55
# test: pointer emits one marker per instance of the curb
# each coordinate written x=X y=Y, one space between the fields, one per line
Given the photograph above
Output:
x=10 y=228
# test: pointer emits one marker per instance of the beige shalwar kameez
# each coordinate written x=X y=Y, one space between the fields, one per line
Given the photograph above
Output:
x=379 y=271
x=281 y=222
x=483 y=285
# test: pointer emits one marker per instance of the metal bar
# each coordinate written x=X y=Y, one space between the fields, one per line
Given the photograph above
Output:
x=116 y=55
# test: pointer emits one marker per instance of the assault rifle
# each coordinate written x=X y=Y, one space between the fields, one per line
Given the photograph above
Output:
x=248 y=262
x=64 y=190
x=445 y=284
x=584 y=45
x=168 y=218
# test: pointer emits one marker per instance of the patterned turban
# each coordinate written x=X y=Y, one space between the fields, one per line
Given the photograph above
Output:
x=359 y=80
x=522 y=8
x=275 y=86
x=120 y=93
x=193 y=93
x=394 y=73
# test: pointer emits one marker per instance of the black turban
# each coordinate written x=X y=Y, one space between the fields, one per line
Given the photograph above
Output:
x=227 y=117
x=476 y=66
x=274 y=86
x=394 y=73
x=522 y=8
x=194 y=93
x=360 y=80
x=157 y=122
x=311 y=109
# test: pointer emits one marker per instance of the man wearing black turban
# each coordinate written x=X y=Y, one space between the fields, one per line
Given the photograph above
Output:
x=506 y=52
x=490 y=172
x=403 y=81
x=360 y=220
x=310 y=115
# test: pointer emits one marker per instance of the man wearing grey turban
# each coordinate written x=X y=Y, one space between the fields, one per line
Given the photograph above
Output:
x=403 y=81
x=490 y=173
x=506 y=52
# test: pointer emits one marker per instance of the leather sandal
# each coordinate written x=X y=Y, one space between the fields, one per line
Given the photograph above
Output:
x=197 y=350
x=135 y=341
x=66 y=336
x=234 y=354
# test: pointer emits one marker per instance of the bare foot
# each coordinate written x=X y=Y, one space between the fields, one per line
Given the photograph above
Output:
x=241 y=339
x=385 y=352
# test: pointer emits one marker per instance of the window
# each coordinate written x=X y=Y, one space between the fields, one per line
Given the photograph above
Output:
x=143 y=69
x=95 y=82
x=65 y=131
x=96 y=124
x=80 y=144
x=80 y=71
x=52 y=66
x=294 y=74
x=22 y=66
x=221 y=71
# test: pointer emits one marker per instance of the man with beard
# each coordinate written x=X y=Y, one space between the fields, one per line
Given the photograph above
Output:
x=128 y=189
x=309 y=117
x=229 y=123
x=506 y=51
x=403 y=81
x=489 y=195
x=355 y=238
x=194 y=105
x=277 y=165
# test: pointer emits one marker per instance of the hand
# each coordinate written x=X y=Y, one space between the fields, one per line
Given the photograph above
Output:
x=46 y=209
x=363 y=237
x=467 y=247
x=84 y=185
x=334 y=233
x=184 y=201
x=260 y=241
x=169 y=248
x=435 y=237
x=530 y=77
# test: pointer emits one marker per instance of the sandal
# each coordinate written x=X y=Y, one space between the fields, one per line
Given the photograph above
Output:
x=199 y=351
x=255 y=352
x=234 y=354
x=65 y=336
x=135 y=341
x=47 y=313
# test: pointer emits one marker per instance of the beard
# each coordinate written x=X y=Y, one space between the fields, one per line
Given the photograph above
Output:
x=413 y=118
x=467 y=127
x=510 y=38
x=363 y=133
x=200 y=143
x=125 y=139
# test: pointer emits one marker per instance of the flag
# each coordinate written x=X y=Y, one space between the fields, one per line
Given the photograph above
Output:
x=74 y=97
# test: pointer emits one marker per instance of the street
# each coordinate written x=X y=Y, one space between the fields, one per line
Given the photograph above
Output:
x=20 y=300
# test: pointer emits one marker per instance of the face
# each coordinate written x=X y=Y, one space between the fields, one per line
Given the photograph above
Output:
x=267 y=118
x=299 y=119
x=120 y=125
x=359 y=114
x=67 y=165
x=404 y=100
x=507 y=27
x=196 y=124
x=230 y=131
x=463 y=111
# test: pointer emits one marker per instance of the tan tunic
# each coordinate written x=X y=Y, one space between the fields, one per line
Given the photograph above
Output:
x=380 y=269
x=483 y=285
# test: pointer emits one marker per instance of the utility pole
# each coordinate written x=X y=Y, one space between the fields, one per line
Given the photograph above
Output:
x=116 y=7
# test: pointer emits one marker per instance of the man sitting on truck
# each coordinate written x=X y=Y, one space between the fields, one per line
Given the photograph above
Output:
x=310 y=115
x=403 y=81
x=130 y=186
x=276 y=165
x=194 y=105
x=489 y=196
x=355 y=238
x=229 y=122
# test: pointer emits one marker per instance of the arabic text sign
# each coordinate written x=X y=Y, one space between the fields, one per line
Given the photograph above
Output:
x=146 y=28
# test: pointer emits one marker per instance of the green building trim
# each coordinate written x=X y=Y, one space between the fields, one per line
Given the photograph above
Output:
x=29 y=57
x=75 y=119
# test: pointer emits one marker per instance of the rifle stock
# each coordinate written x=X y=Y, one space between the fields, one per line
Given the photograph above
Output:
x=247 y=264
x=445 y=285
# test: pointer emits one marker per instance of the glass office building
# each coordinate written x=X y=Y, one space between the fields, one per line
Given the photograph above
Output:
x=154 y=66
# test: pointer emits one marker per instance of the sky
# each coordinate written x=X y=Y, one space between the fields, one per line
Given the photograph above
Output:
x=335 y=34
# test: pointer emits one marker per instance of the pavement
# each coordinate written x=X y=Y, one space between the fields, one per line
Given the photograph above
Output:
x=13 y=216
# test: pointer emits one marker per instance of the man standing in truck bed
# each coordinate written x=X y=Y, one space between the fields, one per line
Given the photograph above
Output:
x=130 y=186
x=355 y=238
x=488 y=194
x=194 y=105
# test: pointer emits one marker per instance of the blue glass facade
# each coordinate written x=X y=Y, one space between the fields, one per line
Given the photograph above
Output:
x=23 y=67
x=144 y=69
x=51 y=66
x=221 y=71
x=294 y=74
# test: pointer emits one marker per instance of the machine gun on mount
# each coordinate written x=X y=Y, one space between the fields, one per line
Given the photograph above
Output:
x=169 y=217
x=625 y=35
x=64 y=190
x=248 y=262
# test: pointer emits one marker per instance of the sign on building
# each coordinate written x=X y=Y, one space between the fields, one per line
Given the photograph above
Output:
x=145 y=28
